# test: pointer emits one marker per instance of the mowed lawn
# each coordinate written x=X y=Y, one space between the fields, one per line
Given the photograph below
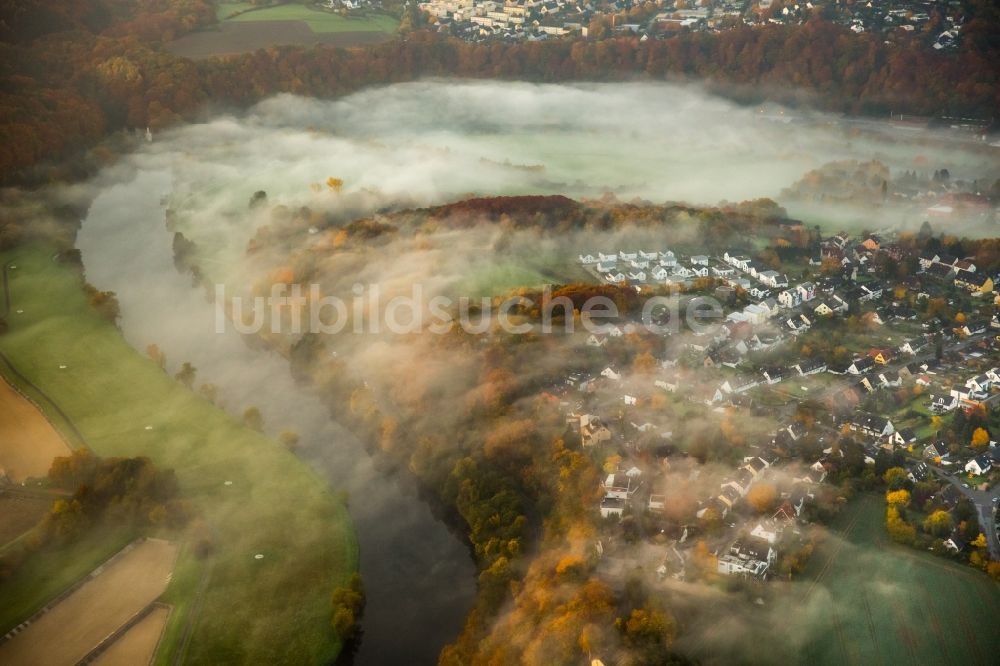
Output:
x=318 y=20
x=250 y=610
x=892 y=605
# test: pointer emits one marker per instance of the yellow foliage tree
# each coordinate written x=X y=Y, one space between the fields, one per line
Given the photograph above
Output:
x=896 y=498
x=762 y=497
x=980 y=438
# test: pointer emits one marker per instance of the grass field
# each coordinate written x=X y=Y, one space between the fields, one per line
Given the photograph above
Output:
x=892 y=605
x=105 y=602
x=249 y=610
x=28 y=442
x=224 y=10
x=319 y=20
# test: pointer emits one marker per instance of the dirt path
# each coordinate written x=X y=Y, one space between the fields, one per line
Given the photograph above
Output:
x=112 y=596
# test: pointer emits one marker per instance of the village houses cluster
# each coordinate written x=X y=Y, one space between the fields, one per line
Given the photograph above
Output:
x=515 y=20
x=931 y=360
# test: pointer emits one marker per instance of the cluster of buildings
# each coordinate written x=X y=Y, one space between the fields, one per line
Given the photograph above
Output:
x=528 y=20
x=513 y=20
x=741 y=362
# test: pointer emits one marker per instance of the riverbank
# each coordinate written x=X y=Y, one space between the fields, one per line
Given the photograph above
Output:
x=252 y=496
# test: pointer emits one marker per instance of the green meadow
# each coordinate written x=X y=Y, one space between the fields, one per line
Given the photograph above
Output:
x=251 y=495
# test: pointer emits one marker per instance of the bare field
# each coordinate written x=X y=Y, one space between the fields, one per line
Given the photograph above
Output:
x=138 y=644
x=71 y=629
x=19 y=513
x=233 y=37
x=28 y=442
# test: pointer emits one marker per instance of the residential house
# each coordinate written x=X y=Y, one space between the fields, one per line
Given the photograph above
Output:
x=861 y=365
x=973 y=327
x=936 y=450
x=750 y=559
x=739 y=384
x=619 y=486
x=880 y=356
x=977 y=284
x=942 y=404
x=811 y=367
x=592 y=430
x=612 y=506
x=979 y=465
x=873 y=425
x=956 y=543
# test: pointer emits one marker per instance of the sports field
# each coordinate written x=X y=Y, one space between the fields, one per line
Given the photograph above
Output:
x=28 y=442
x=230 y=606
x=113 y=595
x=892 y=605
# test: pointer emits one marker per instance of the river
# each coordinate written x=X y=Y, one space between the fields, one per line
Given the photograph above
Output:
x=418 y=573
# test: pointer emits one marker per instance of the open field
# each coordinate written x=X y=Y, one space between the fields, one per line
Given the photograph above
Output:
x=224 y=10
x=318 y=20
x=28 y=442
x=137 y=645
x=242 y=29
x=246 y=610
x=892 y=605
x=19 y=512
x=112 y=596
x=233 y=37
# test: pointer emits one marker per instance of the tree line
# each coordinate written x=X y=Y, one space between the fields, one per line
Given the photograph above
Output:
x=75 y=72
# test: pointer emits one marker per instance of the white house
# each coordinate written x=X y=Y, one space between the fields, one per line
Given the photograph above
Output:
x=612 y=506
x=668 y=259
x=660 y=273
x=979 y=465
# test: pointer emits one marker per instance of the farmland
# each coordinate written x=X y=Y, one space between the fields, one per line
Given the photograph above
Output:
x=139 y=642
x=891 y=605
x=28 y=442
x=75 y=625
x=19 y=512
x=231 y=605
x=242 y=28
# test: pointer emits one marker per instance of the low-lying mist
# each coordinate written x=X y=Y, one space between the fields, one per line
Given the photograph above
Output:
x=423 y=144
x=432 y=142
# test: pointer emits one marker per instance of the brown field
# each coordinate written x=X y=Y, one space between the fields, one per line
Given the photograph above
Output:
x=112 y=596
x=19 y=513
x=137 y=646
x=234 y=37
x=28 y=442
